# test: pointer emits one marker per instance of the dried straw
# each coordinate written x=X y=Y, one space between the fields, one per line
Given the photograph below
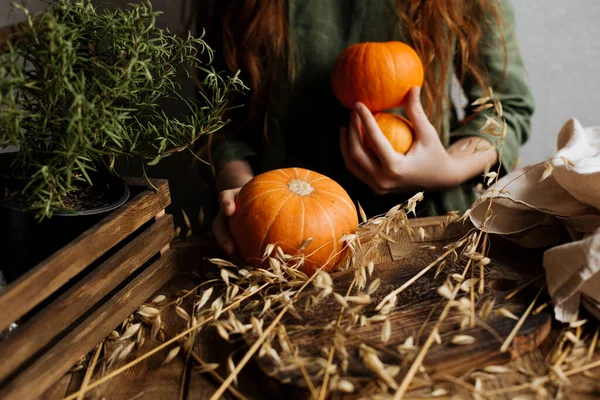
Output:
x=90 y=370
x=153 y=351
x=521 y=321
x=227 y=382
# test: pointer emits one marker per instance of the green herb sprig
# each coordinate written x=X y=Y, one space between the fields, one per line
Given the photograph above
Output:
x=79 y=88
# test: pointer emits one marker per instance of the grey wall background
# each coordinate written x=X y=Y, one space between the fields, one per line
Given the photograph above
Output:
x=561 y=48
x=559 y=42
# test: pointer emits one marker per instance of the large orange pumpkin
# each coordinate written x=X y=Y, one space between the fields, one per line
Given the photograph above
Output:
x=398 y=130
x=378 y=74
x=287 y=207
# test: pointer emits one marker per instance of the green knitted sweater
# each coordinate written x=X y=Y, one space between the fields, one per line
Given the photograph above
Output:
x=305 y=117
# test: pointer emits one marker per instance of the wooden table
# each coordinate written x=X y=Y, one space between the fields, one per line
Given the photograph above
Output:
x=181 y=378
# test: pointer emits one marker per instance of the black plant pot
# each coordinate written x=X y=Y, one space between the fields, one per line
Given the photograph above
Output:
x=24 y=241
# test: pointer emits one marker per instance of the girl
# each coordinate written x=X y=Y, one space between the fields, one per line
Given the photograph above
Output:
x=285 y=50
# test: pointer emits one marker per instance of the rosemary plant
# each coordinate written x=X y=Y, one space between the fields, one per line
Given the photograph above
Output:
x=79 y=88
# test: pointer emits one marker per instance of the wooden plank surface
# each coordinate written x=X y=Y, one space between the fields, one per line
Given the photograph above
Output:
x=211 y=348
x=140 y=380
x=58 y=390
x=256 y=385
x=418 y=308
x=535 y=362
x=53 y=364
x=74 y=303
x=150 y=379
x=44 y=279
x=200 y=386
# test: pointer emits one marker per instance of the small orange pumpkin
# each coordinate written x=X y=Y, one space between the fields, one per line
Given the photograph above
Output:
x=287 y=207
x=398 y=130
x=378 y=74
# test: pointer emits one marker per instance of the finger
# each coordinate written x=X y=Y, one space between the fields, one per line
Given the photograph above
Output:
x=227 y=201
x=222 y=233
x=423 y=128
x=351 y=165
x=357 y=150
x=370 y=179
x=381 y=145
x=348 y=160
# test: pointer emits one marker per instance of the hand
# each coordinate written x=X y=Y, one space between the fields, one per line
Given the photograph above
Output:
x=220 y=224
x=426 y=166
x=231 y=179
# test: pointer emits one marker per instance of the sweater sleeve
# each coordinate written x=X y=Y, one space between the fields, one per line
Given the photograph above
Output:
x=509 y=87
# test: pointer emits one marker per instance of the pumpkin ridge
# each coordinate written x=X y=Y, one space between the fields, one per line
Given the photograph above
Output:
x=262 y=242
x=316 y=180
x=256 y=197
x=394 y=61
x=333 y=235
x=353 y=209
x=303 y=219
x=378 y=77
x=306 y=177
x=333 y=240
x=362 y=88
x=297 y=172
x=285 y=174
x=258 y=181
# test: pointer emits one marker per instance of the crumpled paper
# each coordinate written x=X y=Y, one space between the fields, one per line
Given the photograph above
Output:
x=556 y=205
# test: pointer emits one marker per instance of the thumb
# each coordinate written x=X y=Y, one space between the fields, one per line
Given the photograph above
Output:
x=227 y=201
x=415 y=113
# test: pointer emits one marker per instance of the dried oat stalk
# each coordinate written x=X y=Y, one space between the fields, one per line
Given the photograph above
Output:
x=266 y=304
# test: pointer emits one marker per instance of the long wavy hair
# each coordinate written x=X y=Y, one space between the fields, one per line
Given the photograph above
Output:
x=255 y=39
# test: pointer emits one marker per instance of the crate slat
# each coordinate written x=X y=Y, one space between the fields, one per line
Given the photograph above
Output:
x=74 y=303
x=54 y=363
x=51 y=274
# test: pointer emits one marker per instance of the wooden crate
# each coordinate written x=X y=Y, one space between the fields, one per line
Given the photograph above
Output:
x=72 y=300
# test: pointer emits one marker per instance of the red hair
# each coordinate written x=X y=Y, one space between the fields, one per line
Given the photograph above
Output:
x=255 y=40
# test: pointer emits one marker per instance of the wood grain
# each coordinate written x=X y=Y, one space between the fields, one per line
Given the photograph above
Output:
x=418 y=308
x=140 y=379
x=51 y=274
x=58 y=390
x=54 y=363
x=254 y=384
x=74 y=303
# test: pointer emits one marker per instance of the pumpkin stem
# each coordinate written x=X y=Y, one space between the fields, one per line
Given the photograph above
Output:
x=300 y=187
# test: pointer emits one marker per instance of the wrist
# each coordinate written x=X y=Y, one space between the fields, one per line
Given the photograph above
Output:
x=455 y=172
x=234 y=174
x=469 y=157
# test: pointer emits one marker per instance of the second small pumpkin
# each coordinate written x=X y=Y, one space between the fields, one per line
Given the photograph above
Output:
x=398 y=130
